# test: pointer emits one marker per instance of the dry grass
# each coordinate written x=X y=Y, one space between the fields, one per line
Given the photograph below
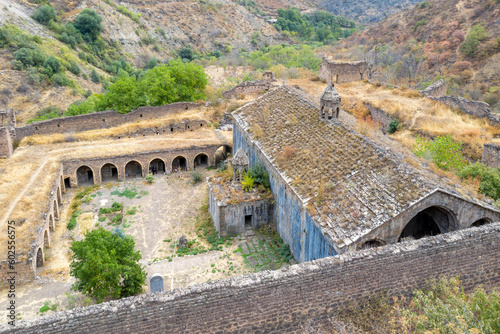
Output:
x=416 y=113
x=122 y=130
x=20 y=168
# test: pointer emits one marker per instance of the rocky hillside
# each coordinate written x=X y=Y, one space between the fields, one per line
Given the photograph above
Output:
x=366 y=11
x=453 y=39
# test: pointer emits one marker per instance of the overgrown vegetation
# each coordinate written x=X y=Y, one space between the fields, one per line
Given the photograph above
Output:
x=106 y=265
x=443 y=151
x=76 y=203
x=319 y=26
x=489 y=178
x=442 y=307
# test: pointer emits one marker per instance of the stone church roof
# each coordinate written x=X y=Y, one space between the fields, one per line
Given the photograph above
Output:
x=330 y=94
x=350 y=185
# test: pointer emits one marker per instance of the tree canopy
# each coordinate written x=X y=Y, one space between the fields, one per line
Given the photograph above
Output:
x=105 y=264
x=88 y=22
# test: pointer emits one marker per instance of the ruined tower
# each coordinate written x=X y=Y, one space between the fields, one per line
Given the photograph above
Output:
x=329 y=103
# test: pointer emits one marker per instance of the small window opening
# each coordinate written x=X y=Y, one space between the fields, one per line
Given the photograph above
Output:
x=67 y=183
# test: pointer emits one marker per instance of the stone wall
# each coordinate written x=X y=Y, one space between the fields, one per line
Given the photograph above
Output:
x=167 y=156
x=45 y=226
x=5 y=143
x=230 y=219
x=342 y=72
x=491 y=155
x=379 y=116
x=247 y=87
x=438 y=88
x=284 y=301
x=99 y=120
x=474 y=108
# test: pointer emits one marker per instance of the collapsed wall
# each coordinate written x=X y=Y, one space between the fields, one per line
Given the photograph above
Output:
x=342 y=71
x=284 y=300
x=438 y=88
x=475 y=108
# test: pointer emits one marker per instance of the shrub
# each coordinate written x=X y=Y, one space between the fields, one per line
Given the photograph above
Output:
x=443 y=151
x=29 y=57
x=489 y=178
x=393 y=126
x=196 y=176
x=150 y=178
x=247 y=182
x=474 y=37
x=88 y=23
x=60 y=79
x=260 y=175
x=94 y=76
x=45 y=14
x=52 y=66
x=74 y=68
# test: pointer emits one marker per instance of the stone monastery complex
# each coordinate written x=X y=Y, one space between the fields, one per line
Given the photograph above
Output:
x=345 y=205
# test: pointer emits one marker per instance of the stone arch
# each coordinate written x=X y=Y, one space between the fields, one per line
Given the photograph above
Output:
x=56 y=208
x=85 y=176
x=59 y=196
x=222 y=154
x=373 y=243
x=109 y=172
x=39 y=257
x=133 y=169
x=158 y=165
x=179 y=163
x=46 y=239
x=430 y=221
x=481 y=222
x=201 y=160
x=52 y=223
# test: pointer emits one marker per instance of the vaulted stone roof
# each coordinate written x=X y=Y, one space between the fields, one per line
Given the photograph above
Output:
x=349 y=184
x=330 y=94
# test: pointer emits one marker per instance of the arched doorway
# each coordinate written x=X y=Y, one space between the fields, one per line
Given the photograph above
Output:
x=481 y=222
x=373 y=243
x=109 y=173
x=133 y=169
x=85 y=176
x=179 y=164
x=157 y=166
x=431 y=221
x=46 y=242
x=222 y=154
x=39 y=257
x=201 y=160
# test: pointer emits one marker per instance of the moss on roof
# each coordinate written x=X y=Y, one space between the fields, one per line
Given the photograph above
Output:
x=351 y=185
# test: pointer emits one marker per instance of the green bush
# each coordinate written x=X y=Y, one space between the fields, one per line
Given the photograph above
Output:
x=88 y=23
x=393 y=126
x=489 y=178
x=150 y=178
x=52 y=66
x=74 y=68
x=45 y=14
x=46 y=113
x=443 y=151
x=30 y=57
x=247 y=182
x=474 y=37
x=94 y=76
x=196 y=176
x=260 y=175
x=61 y=80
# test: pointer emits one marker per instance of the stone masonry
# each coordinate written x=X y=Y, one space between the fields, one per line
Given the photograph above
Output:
x=438 y=88
x=491 y=155
x=284 y=301
x=342 y=72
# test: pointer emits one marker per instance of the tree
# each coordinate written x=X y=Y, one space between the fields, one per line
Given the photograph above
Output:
x=45 y=14
x=476 y=35
x=94 y=76
x=105 y=265
x=88 y=23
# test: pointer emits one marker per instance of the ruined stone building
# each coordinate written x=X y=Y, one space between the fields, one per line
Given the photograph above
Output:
x=342 y=71
x=335 y=190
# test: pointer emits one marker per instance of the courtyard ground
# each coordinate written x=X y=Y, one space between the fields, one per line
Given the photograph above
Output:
x=156 y=215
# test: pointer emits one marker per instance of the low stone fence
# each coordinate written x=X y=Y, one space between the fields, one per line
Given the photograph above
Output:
x=283 y=301
x=474 y=108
